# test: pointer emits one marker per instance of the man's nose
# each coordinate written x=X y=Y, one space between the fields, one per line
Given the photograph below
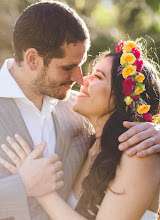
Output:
x=77 y=75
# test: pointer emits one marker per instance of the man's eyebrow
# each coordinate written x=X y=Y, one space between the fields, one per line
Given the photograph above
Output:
x=101 y=72
x=71 y=65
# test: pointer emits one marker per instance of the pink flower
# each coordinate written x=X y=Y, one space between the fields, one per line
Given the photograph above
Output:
x=136 y=51
x=127 y=90
x=120 y=46
x=135 y=97
x=129 y=82
x=147 y=117
x=139 y=63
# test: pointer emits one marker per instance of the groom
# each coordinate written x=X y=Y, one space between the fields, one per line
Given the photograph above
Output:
x=50 y=43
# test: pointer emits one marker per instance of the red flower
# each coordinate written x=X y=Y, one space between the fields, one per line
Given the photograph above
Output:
x=127 y=90
x=119 y=46
x=147 y=117
x=129 y=82
x=134 y=97
x=136 y=52
x=139 y=63
x=131 y=106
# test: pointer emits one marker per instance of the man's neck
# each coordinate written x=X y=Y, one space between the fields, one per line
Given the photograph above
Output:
x=18 y=73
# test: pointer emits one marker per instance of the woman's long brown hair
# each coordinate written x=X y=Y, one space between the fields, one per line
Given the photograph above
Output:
x=104 y=167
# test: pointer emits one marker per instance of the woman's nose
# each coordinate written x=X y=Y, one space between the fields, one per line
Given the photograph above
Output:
x=85 y=81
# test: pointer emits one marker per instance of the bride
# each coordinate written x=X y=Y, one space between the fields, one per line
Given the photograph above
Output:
x=111 y=185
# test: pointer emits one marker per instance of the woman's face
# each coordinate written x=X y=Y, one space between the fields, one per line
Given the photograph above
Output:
x=94 y=98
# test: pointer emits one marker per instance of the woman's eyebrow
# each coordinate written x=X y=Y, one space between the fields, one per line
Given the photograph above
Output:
x=98 y=70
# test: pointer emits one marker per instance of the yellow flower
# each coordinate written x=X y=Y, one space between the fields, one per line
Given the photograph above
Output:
x=138 y=90
x=128 y=71
x=128 y=100
x=154 y=121
x=128 y=58
x=129 y=46
x=140 y=77
x=141 y=109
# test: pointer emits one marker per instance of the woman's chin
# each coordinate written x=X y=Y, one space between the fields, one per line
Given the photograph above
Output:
x=77 y=108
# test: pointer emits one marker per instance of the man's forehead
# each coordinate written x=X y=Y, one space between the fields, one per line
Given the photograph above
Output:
x=75 y=61
x=75 y=54
x=72 y=64
x=79 y=48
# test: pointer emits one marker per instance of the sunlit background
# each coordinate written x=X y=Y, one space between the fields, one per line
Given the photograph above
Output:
x=109 y=21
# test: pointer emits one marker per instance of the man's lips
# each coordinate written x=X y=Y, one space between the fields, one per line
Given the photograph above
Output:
x=67 y=85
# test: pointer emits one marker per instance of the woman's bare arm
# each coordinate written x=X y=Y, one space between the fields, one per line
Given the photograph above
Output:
x=137 y=179
x=57 y=208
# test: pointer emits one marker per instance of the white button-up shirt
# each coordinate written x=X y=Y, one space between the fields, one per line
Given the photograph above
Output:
x=39 y=123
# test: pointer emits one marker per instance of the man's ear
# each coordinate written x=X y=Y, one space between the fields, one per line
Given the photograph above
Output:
x=32 y=58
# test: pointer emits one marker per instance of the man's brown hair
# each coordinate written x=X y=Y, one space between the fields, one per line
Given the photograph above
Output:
x=46 y=26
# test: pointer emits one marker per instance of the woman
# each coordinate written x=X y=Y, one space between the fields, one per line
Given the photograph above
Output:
x=121 y=87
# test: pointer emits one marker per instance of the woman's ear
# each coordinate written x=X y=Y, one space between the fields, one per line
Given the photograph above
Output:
x=31 y=58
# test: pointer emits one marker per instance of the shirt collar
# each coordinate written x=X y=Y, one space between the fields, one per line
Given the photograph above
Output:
x=8 y=86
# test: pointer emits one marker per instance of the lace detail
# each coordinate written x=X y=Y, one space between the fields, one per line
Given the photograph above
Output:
x=158 y=215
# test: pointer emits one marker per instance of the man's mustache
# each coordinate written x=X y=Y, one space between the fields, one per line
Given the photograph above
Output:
x=67 y=83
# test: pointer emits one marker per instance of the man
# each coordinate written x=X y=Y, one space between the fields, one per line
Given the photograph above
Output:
x=50 y=44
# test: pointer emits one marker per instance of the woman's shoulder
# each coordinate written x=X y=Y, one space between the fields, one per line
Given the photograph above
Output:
x=135 y=170
x=150 y=162
x=132 y=190
x=146 y=164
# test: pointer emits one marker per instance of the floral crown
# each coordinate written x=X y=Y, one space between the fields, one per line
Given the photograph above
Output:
x=131 y=68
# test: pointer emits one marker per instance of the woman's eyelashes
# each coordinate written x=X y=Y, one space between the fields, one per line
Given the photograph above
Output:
x=97 y=76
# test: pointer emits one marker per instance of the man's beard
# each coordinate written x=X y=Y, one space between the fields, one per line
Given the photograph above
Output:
x=42 y=86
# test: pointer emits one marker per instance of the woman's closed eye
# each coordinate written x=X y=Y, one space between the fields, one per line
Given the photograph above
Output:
x=97 y=76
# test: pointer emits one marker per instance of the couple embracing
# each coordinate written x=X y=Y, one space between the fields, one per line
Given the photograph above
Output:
x=111 y=174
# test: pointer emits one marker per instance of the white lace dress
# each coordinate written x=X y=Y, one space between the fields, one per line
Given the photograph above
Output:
x=148 y=215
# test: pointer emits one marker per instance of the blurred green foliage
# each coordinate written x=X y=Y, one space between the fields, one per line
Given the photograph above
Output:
x=109 y=21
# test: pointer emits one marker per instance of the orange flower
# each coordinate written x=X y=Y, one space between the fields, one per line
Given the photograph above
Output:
x=139 y=90
x=140 y=77
x=128 y=58
x=129 y=46
x=128 y=100
x=128 y=71
x=141 y=109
